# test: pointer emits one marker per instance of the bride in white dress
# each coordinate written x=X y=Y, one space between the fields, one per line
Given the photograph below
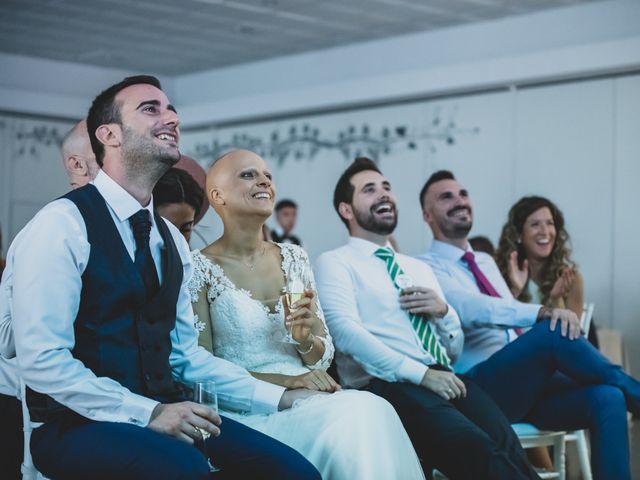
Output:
x=237 y=287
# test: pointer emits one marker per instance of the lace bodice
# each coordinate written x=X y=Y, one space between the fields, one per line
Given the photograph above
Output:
x=244 y=331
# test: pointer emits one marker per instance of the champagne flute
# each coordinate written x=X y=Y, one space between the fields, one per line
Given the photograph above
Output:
x=403 y=281
x=298 y=279
x=204 y=392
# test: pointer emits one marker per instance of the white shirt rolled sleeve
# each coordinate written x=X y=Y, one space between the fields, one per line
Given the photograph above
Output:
x=372 y=334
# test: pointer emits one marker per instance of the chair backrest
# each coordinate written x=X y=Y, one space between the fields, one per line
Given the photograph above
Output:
x=585 y=320
x=530 y=436
x=27 y=468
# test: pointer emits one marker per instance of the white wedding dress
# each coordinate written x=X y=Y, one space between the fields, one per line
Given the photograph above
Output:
x=349 y=435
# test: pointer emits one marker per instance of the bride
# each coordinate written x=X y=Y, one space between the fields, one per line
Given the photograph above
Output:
x=237 y=289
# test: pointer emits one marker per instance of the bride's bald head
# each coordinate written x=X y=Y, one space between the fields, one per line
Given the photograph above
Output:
x=224 y=170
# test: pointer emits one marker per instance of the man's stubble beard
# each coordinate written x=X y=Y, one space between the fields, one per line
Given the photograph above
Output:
x=143 y=157
x=455 y=231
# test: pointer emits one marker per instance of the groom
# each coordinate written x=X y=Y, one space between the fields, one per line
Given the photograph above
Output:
x=104 y=328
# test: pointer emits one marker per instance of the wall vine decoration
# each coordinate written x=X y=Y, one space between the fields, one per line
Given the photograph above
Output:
x=29 y=141
x=306 y=141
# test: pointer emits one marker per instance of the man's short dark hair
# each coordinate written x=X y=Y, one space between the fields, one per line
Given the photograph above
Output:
x=435 y=177
x=104 y=109
x=285 y=203
x=344 y=188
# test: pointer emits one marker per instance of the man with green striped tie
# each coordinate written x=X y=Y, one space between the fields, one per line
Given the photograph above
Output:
x=396 y=336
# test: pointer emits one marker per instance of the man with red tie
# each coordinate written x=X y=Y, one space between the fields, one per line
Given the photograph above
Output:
x=551 y=375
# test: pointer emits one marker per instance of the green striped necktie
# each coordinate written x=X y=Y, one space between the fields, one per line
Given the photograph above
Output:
x=420 y=324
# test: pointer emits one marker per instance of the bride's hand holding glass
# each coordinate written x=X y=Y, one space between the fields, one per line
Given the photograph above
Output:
x=301 y=318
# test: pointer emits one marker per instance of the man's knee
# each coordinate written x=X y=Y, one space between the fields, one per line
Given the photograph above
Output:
x=605 y=403
x=180 y=462
x=284 y=463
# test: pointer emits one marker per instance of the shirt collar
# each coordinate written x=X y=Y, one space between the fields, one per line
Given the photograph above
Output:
x=448 y=251
x=365 y=246
x=121 y=202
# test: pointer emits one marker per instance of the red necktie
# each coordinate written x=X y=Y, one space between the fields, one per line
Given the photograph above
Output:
x=483 y=282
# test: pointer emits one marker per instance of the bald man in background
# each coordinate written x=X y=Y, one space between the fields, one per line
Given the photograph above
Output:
x=77 y=156
x=81 y=167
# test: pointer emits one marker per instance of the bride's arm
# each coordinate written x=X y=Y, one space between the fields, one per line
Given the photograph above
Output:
x=202 y=320
x=313 y=380
x=317 y=350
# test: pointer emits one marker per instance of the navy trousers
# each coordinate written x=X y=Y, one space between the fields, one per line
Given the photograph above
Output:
x=77 y=448
x=467 y=438
x=10 y=437
x=555 y=383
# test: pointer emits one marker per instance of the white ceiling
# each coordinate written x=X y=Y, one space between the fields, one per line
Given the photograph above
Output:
x=174 y=37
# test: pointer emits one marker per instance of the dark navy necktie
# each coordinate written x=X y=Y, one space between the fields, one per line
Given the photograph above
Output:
x=141 y=225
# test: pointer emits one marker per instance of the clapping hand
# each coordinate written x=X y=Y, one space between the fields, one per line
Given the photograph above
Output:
x=423 y=301
x=517 y=275
x=563 y=284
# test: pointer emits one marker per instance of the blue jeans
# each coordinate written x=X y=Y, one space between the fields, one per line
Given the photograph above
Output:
x=555 y=383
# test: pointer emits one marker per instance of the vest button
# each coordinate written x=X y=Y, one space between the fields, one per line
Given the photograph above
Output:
x=157 y=348
x=159 y=376
x=147 y=376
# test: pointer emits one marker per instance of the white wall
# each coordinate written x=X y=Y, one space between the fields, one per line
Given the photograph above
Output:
x=587 y=39
x=59 y=89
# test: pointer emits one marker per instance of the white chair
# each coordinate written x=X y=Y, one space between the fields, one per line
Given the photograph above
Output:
x=27 y=468
x=530 y=437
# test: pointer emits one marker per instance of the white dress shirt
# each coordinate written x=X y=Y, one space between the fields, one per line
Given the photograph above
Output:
x=372 y=334
x=49 y=261
x=487 y=321
x=7 y=344
x=9 y=380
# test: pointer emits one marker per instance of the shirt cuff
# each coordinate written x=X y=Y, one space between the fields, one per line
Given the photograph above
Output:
x=528 y=312
x=412 y=371
x=266 y=397
x=139 y=409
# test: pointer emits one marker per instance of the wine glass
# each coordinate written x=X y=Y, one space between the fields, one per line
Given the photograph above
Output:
x=403 y=281
x=204 y=392
x=298 y=279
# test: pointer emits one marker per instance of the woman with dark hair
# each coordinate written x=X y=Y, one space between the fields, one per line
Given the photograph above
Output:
x=178 y=198
x=534 y=256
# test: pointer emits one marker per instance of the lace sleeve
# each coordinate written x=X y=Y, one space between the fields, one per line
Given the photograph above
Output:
x=198 y=286
x=198 y=280
x=296 y=255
